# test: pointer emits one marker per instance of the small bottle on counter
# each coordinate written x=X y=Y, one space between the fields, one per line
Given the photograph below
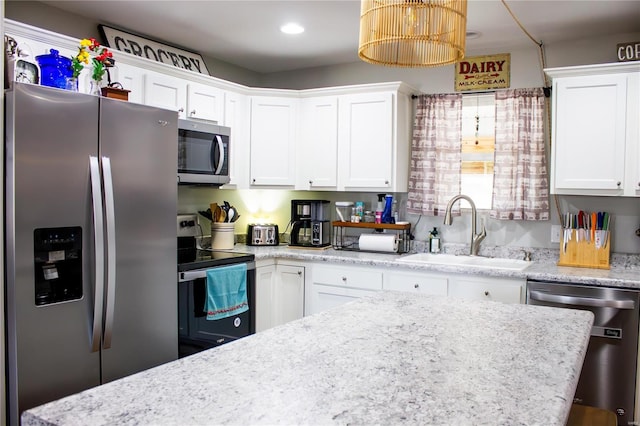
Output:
x=434 y=241
x=394 y=211
x=360 y=209
x=380 y=208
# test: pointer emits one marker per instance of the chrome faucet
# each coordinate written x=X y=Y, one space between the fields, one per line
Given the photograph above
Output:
x=476 y=239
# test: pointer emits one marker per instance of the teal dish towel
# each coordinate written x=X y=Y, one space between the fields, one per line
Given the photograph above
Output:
x=226 y=291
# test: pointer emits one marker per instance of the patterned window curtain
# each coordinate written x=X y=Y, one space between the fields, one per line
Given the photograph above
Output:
x=435 y=154
x=520 y=183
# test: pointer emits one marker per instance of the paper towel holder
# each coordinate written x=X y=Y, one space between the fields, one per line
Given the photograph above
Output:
x=342 y=241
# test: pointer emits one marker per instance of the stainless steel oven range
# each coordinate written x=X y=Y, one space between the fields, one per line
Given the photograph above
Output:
x=608 y=378
x=195 y=332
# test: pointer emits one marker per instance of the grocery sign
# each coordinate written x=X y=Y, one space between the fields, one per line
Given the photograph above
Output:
x=153 y=50
x=483 y=72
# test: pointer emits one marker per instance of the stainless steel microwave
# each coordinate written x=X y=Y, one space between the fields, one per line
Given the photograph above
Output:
x=203 y=153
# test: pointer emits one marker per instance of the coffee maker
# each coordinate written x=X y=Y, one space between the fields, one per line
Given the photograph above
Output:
x=310 y=225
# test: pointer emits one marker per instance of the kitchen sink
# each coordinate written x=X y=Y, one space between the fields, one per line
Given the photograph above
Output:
x=462 y=260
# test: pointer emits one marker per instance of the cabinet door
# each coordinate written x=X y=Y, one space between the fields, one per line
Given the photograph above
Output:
x=334 y=286
x=273 y=128
x=265 y=276
x=236 y=115
x=325 y=297
x=205 y=102
x=289 y=294
x=589 y=133
x=366 y=153
x=480 y=288
x=424 y=283
x=131 y=78
x=165 y=92
x=318 y=153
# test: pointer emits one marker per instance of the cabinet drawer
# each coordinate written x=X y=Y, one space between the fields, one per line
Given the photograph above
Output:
x=346 y=277
x=420 y=283
x=507 y=292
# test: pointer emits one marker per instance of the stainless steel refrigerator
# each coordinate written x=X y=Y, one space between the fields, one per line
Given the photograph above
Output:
x=91 y=201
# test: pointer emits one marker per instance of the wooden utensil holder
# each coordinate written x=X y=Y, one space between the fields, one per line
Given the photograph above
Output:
x=585 y=254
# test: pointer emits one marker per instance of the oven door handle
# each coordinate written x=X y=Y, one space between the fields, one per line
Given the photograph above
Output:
x=202 y=273
x=581 y=301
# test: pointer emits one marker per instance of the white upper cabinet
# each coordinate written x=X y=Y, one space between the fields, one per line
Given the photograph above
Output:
x=595 y=130
x=131 y=78
x=356 y=139
x=366 y=141
x=190 y=99
x=205 y=102
x=272 y=140
x=166 y=92
x=318 y=148
x=236 y=111
x=374 y=138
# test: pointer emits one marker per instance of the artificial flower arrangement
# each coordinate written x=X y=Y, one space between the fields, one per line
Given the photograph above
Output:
x=101 y=60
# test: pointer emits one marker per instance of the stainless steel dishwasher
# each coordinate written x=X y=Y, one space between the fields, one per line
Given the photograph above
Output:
x=608 y=378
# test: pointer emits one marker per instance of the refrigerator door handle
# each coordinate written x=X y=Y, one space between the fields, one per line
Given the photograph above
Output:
x=98 y=241
x=111 y=251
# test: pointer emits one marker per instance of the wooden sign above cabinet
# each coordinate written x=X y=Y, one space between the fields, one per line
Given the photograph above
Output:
x=159 y=52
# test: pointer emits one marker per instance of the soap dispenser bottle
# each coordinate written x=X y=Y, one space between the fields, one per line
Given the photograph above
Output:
x=379 y=208
x=434 y=241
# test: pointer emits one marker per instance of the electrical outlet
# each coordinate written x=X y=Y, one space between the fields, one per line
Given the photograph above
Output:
x=555 y=233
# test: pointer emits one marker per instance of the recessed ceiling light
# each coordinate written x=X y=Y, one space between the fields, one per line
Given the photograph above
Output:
x=473 y=34
x=292 y=28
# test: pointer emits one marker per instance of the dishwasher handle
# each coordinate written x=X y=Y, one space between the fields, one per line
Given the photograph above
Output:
x=581 y=301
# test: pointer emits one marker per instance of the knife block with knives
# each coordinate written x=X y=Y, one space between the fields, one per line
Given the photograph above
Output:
x=585 y=240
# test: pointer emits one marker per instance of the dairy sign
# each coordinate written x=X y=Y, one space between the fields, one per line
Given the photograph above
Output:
x=483 y=72
x=149 y=49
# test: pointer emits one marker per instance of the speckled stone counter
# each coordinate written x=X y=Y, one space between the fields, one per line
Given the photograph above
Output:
x=624 y=272
x=391 y=358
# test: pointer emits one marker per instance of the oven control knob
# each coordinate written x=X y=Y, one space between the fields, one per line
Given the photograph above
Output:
x=236 y=322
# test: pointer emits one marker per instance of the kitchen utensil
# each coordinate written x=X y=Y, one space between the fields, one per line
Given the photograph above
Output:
x=222 y=216
x=206 y=214
x=230 y=214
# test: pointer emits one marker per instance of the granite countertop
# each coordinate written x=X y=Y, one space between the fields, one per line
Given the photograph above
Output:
x=385 y=359
x=624 y=272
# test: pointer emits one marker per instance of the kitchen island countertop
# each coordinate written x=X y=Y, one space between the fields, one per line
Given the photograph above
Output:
x=385 y=359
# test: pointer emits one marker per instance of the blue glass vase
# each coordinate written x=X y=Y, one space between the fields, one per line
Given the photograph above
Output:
x=55 y=70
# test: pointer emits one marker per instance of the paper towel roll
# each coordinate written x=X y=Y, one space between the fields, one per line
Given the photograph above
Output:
x=379 y=242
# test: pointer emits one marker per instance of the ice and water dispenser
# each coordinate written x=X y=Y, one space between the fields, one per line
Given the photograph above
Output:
x=57 y=256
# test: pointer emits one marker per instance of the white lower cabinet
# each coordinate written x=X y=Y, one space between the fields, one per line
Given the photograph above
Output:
x=279 y=294
x=329 y=286
x=416 y=282
x=265 y=277
x=289 y=293
x=332 y=286
x=504 y=290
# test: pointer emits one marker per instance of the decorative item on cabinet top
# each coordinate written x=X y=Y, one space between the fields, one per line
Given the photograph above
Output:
x=128 y=42
x=18 y=63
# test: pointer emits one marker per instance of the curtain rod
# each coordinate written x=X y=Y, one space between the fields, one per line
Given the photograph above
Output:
x=547 y=92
